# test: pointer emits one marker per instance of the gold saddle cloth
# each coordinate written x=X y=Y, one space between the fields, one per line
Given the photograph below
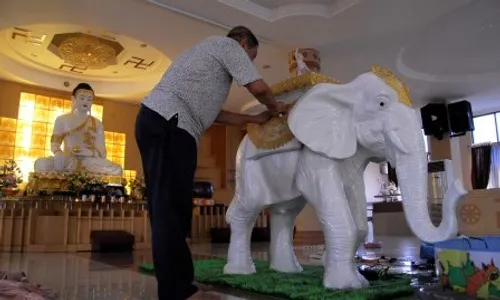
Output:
x=276 y=133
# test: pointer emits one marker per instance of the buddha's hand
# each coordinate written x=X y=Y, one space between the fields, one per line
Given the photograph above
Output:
x=59 y=161
x=77 y=151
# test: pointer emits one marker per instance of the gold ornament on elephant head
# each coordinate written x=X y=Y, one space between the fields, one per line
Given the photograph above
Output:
x=394 y=82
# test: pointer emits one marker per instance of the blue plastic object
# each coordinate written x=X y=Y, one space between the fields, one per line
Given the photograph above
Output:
x=483 y=244
x=427 y=251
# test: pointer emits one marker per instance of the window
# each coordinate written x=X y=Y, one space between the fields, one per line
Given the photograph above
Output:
x=486 y=129
x=426 y=141
x=497 y=119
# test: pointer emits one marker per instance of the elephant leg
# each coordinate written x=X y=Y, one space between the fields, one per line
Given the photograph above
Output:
x=320 y=182
x=283 y=216
x=355 y=194
x=241 y=220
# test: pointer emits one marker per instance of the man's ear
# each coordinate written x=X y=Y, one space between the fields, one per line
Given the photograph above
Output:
x=244 y=44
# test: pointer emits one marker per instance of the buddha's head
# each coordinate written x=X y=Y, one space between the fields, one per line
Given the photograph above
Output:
x=82 y=98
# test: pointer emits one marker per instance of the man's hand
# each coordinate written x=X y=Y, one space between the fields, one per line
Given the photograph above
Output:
x=277 y=108
x=262 y=118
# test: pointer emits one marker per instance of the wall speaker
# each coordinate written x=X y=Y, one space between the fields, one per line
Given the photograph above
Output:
x=435 y=119
x=460 y=117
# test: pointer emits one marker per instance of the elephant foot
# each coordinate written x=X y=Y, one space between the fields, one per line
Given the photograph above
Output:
x=344 y=278
x=286 y=266
x=362 y=278
x=241 y=269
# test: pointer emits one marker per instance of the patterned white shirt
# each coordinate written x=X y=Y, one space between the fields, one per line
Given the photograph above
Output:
x=196 y=85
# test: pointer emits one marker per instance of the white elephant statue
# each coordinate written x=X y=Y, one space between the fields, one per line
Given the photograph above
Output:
x=338 y=129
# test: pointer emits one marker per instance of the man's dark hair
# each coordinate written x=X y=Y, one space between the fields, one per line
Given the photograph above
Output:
x=240 y=33
x=82 y=86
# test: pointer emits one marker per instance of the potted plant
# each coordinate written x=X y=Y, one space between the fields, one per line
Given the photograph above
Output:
x=138 y=188
x=10 y=177
x=78 y=182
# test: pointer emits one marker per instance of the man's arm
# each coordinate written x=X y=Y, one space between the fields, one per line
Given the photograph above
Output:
x=235 y=119
x=260 y=90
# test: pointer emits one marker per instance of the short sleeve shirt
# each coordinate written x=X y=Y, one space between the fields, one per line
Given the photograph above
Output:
x=197 y=84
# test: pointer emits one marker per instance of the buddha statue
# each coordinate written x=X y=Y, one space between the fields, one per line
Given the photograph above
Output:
x=83 y=136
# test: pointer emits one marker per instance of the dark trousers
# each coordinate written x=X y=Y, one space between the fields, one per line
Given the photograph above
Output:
x=169 y=158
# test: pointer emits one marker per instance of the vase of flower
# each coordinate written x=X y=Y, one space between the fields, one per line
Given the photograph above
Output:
x=138 y=188
x=10 y=177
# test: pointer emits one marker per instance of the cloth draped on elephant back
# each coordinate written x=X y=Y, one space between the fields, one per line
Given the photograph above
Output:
x=273 y=134
x=276 y=133
x=481 y=164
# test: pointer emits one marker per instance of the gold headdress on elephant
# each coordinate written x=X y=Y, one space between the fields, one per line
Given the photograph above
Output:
x=394 y=82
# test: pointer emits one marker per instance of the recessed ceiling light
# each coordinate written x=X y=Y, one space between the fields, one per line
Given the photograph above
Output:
x=265 y=67
x=143 y=45
x=115 y=72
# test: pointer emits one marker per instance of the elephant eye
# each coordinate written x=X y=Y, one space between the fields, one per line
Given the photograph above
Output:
x=381 y=104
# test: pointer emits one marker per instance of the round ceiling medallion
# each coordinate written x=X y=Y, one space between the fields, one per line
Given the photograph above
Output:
x=82 y=52
x=85 y=51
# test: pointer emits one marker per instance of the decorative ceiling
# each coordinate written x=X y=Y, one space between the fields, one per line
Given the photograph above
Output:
x=274 y=10
x=81 y=53
x=441 y=49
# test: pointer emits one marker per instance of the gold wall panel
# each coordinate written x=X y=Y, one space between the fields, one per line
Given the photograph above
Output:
x=119 y=138
x=38 y=142
x=57 y=104
x=8 y=124
x=6 y=152
x=39 y=128
x=7 y=138
x=42 y=102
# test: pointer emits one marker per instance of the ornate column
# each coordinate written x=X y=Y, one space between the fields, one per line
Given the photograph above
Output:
x=311 y=59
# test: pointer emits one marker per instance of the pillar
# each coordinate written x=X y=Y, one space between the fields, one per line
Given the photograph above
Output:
x=458 y=149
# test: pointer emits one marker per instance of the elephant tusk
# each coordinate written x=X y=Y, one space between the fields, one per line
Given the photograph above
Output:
x=396 y=141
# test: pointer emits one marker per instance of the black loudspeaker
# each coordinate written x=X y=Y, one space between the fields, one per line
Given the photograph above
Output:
x=435 y=119
x=203 y=189
x=461 y=117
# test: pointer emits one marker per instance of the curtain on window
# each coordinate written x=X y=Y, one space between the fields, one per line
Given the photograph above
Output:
x=495 y=166
x=481 y=162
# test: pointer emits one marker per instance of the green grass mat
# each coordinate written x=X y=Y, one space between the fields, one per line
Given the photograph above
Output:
x=304 y=286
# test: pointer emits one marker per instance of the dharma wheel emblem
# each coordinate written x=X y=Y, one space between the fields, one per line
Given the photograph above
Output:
x=470 y=214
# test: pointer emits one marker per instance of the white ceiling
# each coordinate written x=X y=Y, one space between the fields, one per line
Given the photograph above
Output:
x=445 y=48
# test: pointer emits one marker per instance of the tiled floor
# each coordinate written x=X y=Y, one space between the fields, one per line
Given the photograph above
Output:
x=114 y=276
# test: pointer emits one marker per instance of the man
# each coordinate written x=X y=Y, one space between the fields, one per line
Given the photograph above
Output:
x=187 y=100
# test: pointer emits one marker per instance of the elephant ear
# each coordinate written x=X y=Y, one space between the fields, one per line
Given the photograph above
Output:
x=322 y=119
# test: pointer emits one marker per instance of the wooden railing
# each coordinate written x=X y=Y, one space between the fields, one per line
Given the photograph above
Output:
x=62 y=225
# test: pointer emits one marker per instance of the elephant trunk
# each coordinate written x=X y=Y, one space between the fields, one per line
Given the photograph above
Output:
x=411 y=170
